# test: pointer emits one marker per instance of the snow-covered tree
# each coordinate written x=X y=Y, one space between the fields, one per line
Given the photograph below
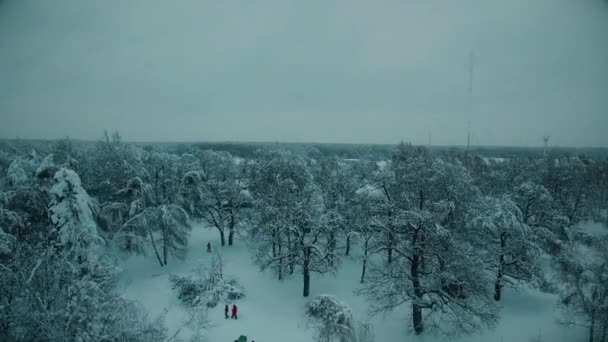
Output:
x=567 y=179
x=66 y=290
x=364 y=220
x=332 y=319
x=538 y=212
x=220 y=188
x=506 y=243
x=21 y=170
x=584 y=296
x=64 y=154
x=164 y=178
x=113 y=216
x=337 y=188
x=71 y=212
x=534 y=201
x=292 y=232
x=433 y=266
x=165 y=224
x=109 y=164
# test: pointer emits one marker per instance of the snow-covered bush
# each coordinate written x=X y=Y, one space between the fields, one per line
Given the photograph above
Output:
x=209 y=288
x=365 y=332
x=227 y=290
x=332 y=319
x=188 y=289
x=7 y=243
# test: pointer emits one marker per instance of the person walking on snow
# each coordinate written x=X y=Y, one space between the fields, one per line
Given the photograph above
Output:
x=208 y=247
x=226 y=311
x=234 y=311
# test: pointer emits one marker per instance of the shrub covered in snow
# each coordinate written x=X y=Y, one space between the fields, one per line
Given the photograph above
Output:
x=7 y=242
x=188 y=290
x=332 y=318
x=209 y=288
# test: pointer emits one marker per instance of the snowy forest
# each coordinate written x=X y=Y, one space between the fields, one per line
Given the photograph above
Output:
x=440 y=241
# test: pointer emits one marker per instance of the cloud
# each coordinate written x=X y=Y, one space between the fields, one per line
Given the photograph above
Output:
x=340 y=71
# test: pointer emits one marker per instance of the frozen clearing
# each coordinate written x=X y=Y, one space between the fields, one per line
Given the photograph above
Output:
x=273 y=311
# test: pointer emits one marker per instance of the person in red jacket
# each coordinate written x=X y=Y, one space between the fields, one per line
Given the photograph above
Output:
x=234 y=311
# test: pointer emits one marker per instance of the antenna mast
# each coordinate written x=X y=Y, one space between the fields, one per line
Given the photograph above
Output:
x=470 y=91
x=468 y=134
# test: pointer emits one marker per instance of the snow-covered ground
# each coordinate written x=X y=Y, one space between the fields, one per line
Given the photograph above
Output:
x=273 y=311
x=593 y=228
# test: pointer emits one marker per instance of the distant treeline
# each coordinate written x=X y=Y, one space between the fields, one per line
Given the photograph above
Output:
x=347 y=151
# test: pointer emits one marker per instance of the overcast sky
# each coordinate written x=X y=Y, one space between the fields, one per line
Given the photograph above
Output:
x=306 y=71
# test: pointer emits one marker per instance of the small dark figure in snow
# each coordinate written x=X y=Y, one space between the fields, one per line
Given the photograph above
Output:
x=234 y=311
x=226 y=311
x=208 y=247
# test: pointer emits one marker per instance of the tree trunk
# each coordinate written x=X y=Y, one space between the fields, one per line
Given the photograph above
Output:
x=128 y=247
x=165 y=247
x=156 y=186
x=416 y=309
x=222 y=236
x=604 y=329
x=164 y=252
x=332 y=247
x=363 y=269
x=592 y=328
x=231 y=233
x=391 y=241
x=230 y=236
x=417 y=319
x=280 y=254
x=160 y=261
x=306 y=271
x=498 y=286
x=292 y=257
x=274 y=243
x=499 y=274
x=347 y=245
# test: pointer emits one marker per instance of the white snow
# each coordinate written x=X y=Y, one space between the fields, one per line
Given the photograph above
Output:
x=370 y=191
x=273 y=311
x=487 y=160
x=592 y=228
x=382 y=164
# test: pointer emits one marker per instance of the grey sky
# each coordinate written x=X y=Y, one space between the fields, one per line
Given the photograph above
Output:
x=315 y=70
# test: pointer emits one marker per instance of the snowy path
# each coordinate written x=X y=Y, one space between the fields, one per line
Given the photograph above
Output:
x=273 y=311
